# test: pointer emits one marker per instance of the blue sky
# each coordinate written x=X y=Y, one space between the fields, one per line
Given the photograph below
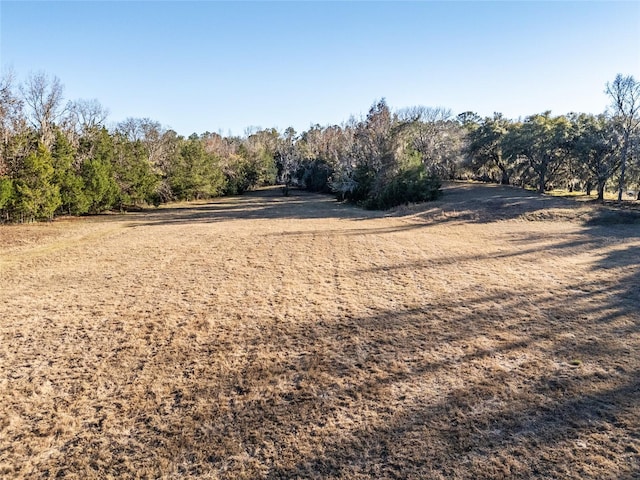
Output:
x=225 y=66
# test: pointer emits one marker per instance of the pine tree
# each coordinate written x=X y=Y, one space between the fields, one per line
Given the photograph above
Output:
x=68 y=178
x=195 y=174
x=97 y=172
x=6 y=197
x=36 y=196
x=134 y=175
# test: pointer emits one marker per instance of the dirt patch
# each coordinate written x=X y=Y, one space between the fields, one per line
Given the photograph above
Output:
x=284 y=337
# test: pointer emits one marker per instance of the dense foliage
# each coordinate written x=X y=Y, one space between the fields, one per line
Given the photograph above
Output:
x=58 y=159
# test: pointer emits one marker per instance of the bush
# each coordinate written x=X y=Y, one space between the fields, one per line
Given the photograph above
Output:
x=410 y=185
x=314 y=176
x=6 y=196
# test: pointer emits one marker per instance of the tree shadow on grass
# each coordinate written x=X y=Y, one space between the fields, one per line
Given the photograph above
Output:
x=461 y=203
x=575 y=417
x=551 y=404
x=256 y=205
x=452 y=388
x=428 y=392
x=473 y=203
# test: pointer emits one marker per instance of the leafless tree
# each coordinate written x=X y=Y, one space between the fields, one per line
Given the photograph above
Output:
x=287 y=157
x=150 y=134
x=10 y=107
x=625 y=105
x=12 y=124
x=43 y=95
x=375 y=138
x=436 y=136
x=86 y=116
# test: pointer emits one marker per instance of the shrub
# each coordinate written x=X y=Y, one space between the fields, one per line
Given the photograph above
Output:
x=411 y=185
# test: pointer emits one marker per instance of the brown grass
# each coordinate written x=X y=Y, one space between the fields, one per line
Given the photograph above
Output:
x=493 y=334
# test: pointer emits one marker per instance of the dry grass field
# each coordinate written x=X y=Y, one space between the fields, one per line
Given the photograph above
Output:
x=492 y=334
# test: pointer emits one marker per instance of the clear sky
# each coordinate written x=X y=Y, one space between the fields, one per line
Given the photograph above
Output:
x=225 y=66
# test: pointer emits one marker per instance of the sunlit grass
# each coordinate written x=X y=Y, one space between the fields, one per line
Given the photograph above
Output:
x=293 y=337
x=628 y=197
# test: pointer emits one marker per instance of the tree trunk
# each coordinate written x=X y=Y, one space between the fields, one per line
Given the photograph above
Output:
x=505 y=177
x=623 y=168
x=504 y=180
x=542 y=181
x=601 y=190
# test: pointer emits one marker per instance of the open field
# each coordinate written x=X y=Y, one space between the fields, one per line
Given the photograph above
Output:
x=492 y=334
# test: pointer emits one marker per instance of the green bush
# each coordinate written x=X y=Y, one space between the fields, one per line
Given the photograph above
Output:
x=411 y=185
x=314 y=176
x=365 y=179
x=6 y=196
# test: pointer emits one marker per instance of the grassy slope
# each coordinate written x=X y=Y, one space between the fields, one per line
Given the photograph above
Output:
x=491 y=334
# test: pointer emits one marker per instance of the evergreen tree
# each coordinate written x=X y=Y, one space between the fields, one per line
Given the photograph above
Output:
x=195 y=174
x=485 y=148
x=542 y=145
x=133 y=172
x=36 y=196
x=97 y=172
x=72 y=189
x=6 y=197
x=595 y=146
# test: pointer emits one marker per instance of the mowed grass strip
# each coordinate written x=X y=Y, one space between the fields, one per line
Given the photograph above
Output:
x=293 y=337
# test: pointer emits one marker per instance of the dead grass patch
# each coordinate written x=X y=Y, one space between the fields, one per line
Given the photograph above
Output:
x=292 y=337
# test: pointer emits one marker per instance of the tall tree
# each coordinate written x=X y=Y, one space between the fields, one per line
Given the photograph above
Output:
x=261 y=151
x=36 y=196
x=195 y=173
x=595 y=144
x=436 y=137
x=43 y=96
x=98 y=151
x=374 y=151
x=66 y=175
x=133 y=172
x=485 y=147
x=624 y=93
x=287 y=158
x=321 y=151
x=85 y=117
x=381 y=171
x=12 y=120
x=15 y=138
x=541 y=142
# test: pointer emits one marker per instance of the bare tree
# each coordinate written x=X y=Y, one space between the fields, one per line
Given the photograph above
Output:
x=221 y=147
x=10 y=107
x=132 y=128
x=376 y=142
x=43 y=96
x=625 y=104
x=150 y=134
x=287 y=158
x=437 y=137
x=86 y=116
x=13 y=125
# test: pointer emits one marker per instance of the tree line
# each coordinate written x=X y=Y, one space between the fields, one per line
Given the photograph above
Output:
x=60 y=158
